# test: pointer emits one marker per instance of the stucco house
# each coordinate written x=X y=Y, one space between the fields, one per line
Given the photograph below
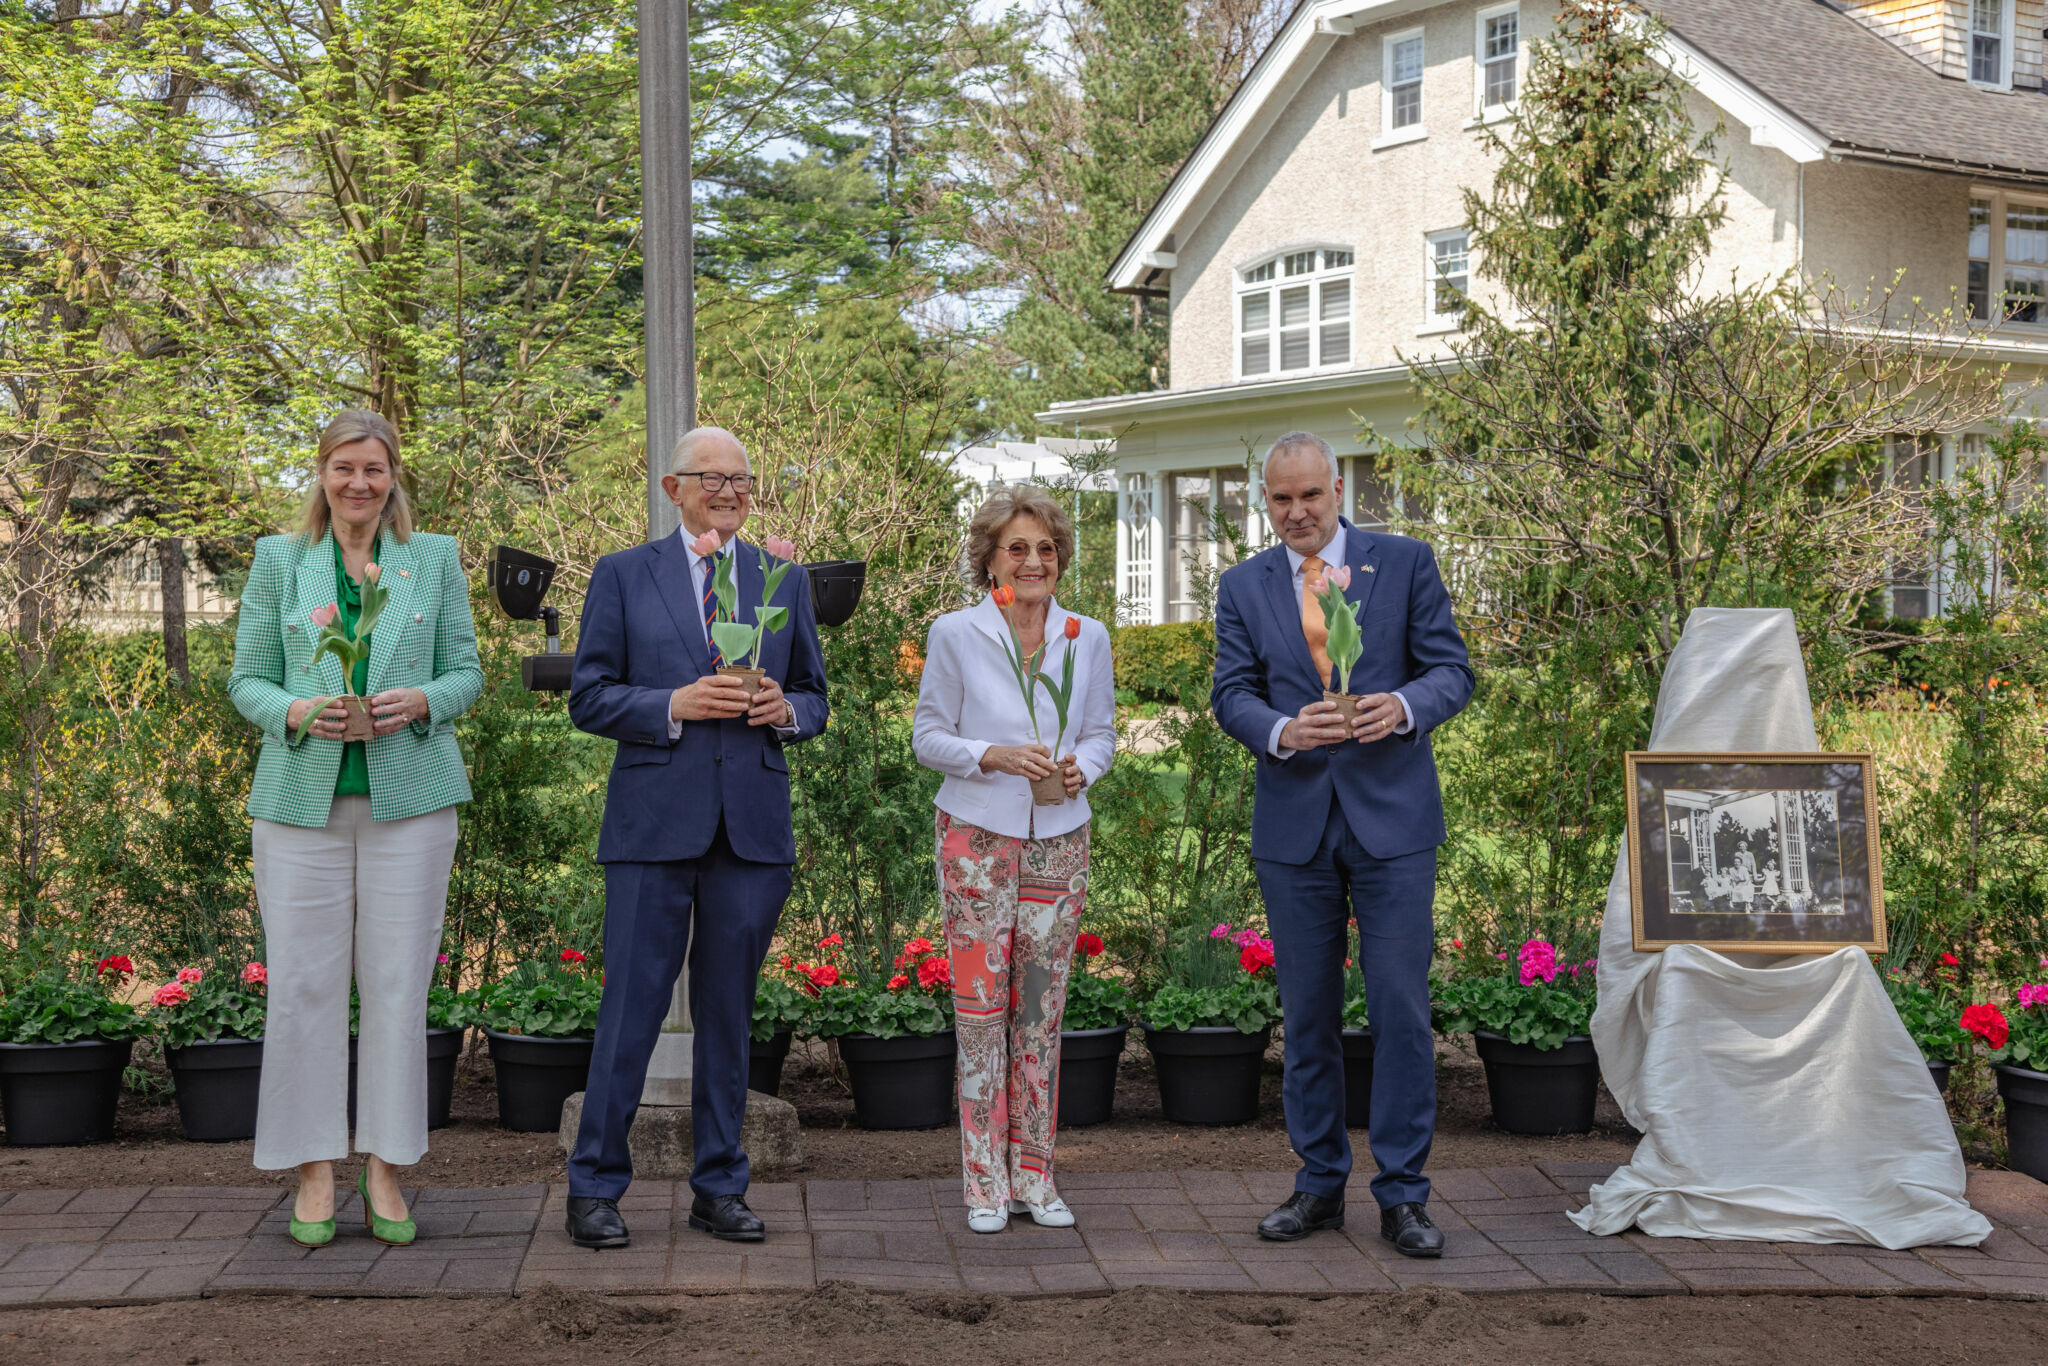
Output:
x=1314 y=241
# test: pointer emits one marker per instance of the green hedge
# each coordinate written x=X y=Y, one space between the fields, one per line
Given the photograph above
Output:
x=1169 y=663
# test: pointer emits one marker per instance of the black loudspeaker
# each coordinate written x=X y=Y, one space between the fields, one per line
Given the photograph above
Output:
x=519 y=581
x=835 y=589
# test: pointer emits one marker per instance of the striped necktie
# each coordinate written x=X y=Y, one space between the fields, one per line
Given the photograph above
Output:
x=711 y=607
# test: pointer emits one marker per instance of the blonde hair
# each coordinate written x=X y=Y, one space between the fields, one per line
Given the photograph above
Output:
x=357 y=424
x=1006 y=503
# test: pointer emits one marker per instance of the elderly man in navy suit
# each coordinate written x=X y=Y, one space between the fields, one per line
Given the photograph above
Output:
x=1346 y=825
x=696 y=841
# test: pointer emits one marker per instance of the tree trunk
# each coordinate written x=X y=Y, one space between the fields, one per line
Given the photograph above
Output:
x=170 y=558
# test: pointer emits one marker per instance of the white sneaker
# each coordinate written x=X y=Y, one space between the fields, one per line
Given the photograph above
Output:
x=988 y=1220
x=1053 y=1214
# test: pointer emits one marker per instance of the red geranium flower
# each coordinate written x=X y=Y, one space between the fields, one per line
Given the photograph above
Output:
x=898 y=982
x=1988 y=1023
x=118 y=965
x=1949 y=960
x=1089 y=945
x=919 y=945
x=824 y=975
x=573 y=956
x=933 y=973
x=1252 y=957
x=830 y=941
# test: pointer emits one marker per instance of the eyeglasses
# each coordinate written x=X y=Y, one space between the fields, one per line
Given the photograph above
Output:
x=713 y=481
x=1020 y=551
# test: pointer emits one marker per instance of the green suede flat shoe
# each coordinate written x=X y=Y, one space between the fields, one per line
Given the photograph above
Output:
x=391 y=1232
x=311 y=1232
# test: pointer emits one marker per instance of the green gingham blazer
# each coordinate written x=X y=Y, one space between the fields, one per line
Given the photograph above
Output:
x=426 y=639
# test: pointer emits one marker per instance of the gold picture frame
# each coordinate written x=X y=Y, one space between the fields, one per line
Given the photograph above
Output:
x=1754 y=853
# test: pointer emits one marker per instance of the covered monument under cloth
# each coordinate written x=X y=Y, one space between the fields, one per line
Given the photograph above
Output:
x=1779 y=1097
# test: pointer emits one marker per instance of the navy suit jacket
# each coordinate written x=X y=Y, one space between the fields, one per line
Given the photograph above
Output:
x=642 y=638
x=1387 y=788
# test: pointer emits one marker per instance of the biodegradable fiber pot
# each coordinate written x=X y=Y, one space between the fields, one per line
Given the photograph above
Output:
x=1088 y=1059
x=904 y=1083
x=1049 y=791
x=2026 y=1119
x=535 y=1076
x=764 y=1062
x=1348 y=704
x=1540 y=1090
x=61 y=1093
x=1357 y=1078
x=1208 y=1075
x=217 y=1084
x=749 y=678
x=359 y=725
x=444 y=1051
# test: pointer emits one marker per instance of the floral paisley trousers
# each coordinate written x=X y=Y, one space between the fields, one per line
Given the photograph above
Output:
x=1013 y=909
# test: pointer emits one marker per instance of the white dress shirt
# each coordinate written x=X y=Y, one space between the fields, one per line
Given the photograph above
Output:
x=701 y=570
x=1331 y=554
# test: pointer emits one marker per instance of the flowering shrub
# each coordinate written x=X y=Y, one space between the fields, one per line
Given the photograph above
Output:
x=54 y=1007
x=197 y=1006
x=1543 y=1004
x=543 y=1001
x=2024 y=1041
x=1929 y=1013
x=1209 y=987
x=916 y=998
x=1094 y=1001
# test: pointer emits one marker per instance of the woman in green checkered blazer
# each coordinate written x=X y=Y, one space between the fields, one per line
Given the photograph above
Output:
x=353 y=839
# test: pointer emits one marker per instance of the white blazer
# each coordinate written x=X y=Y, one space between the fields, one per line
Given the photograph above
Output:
x=969 y=701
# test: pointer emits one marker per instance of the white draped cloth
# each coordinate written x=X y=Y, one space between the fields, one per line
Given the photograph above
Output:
x=1779 y=1097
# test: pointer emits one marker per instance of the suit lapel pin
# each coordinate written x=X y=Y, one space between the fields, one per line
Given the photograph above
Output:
x=405 y=573
x=1367 y=568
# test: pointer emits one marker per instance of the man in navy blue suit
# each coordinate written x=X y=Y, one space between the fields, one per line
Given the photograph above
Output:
x=696 y=841
x=1346 y=825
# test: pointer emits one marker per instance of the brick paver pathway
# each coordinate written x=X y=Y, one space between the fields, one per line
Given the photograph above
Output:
x=1505 y=1229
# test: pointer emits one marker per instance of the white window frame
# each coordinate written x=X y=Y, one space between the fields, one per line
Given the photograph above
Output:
x=2006 y=42
x=1317 y=279
x=1433 y=321
x=1995 y=295
x=1390 y=136
x=1484 y=110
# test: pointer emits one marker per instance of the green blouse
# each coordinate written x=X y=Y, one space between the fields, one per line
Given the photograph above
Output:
x=354 y=779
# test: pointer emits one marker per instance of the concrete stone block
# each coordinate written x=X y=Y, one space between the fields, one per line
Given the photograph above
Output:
x=660 y=1137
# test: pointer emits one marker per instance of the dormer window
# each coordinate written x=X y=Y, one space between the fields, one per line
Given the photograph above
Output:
x=1991 y=42
x=1294 y=313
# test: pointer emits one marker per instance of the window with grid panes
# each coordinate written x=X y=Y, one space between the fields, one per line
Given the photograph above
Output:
x=1294 y=313
x=1447 y=269
x=1990 y=30
x=2008 y=279
x=1500 y=48
x=1403 y=85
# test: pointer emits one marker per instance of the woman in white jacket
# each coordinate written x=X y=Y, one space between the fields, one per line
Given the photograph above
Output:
x=1013 y=876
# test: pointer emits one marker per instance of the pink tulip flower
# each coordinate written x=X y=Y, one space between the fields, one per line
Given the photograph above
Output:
x=707 y=544
x=372 y=572
x=1340 y=574
x=324 y=616
x=1318 y=585
x=780 y=549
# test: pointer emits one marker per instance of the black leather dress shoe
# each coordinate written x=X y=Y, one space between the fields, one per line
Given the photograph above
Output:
x=727 y=1217
x=596 y=1222
x=1408 y=1228
x=1301 y=1215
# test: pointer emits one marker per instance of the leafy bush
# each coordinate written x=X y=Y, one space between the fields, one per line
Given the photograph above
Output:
x=543 y=1001
x=778 y=1006
x=201 y=1005
x=55 y=1006
x=1167 y=662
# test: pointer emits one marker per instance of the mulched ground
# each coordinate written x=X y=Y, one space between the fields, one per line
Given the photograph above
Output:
x=474 y=1151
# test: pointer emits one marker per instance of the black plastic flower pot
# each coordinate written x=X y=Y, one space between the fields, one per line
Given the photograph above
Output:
x=58 y=1094
x=1357 y=1078
x=1939 y=1071
x=535 y=1076
x=764 y=1062
x=217 y=1085
x=1540 y=1090
x=2026 y=1119
x=904 y=1083
x=444 y=1051
x=1088 y=1060
x=1208 y=1075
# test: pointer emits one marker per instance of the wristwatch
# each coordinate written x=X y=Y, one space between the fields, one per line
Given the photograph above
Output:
x=789 y=707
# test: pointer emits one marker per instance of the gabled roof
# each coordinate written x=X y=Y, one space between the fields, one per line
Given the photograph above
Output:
x=1801 y=75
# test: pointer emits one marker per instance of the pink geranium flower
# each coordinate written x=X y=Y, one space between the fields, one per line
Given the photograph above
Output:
x=1221 y=931
x=781 y=549
x=191 y=974
x=1539 y=961
x=255 y=974
x=324 y=616
x=707 y=544
x=170 y=994
x=2035 y=995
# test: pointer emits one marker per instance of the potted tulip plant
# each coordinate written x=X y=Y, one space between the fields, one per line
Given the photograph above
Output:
x=1093 y=1032
x=64 y=1042
x=1345 y=644
x=2019 y=1056
x=1209 y=1023
x=1050 y=790
x=211 y=1024
x=541 y=1021
x=894 y=1034
x=350 y=647
x=739 y=644
x=1529 y=1025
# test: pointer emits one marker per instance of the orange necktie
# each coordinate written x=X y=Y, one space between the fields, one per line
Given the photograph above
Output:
x=1312 y=624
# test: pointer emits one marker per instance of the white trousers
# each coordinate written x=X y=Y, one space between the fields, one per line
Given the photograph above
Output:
x=361 y=894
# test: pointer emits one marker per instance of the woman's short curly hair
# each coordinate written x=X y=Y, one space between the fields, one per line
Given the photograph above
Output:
x=1008 y=502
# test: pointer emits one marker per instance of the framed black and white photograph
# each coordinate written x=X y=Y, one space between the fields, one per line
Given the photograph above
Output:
x=1754 y=853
